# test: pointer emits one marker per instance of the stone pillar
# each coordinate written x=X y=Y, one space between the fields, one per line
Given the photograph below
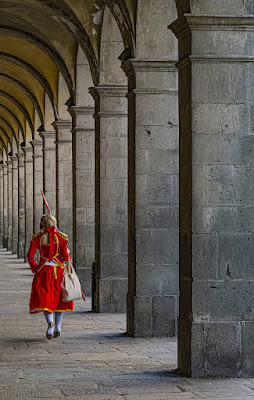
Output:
x=15 y=185
x=21 y=205
x=64 y=181
x=152 y=301
x=216 y=95
x=5 y=206
x=83 y=193
x=49 y=169
x=9 y=185
x=1 y=205
x=28 y=151
x=37 y=183
x=111 y=265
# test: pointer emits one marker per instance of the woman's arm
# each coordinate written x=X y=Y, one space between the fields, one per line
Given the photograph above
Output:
x=30 y=255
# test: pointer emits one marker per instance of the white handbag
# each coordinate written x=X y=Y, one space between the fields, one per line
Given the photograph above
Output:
x=71 y=287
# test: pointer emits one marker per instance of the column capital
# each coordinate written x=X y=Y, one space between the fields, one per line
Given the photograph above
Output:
x=80 y=110
x=37 y=148
x=14 y=160
x=108 y=90
x=28 y=152
x=210 y=22
x=137 y=65
x=62 y=124
x=47 y=134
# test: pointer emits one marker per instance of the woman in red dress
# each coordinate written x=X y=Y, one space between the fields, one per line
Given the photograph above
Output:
x=46 y=286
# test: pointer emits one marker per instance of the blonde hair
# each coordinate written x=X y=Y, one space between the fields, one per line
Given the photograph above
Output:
x=47 y=221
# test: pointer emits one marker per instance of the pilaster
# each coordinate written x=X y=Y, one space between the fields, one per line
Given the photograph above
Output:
x=1 y=205
x=28 y=162
x=83 y=193
x=110 y=198
x=14 y=161
x=49 y=168
x=64 y=178
x=5 y=205
x=216 y=193
x=153 y=184
x=37 y=146
x=9 y=230
x=21 y=204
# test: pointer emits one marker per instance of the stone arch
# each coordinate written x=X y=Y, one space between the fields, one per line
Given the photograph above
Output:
x=111 y=48
x=49 y=117
x=29 y=68
x=26 y=91
x=83 y=79
x=47 y=48
x=125 y=21
x=62 y=98
x=158 y=43
x=12 y=117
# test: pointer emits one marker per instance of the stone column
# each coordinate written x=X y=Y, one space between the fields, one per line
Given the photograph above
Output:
x=5 y=206
x=1 y=205
x=216 y=73
x=152 y=301
x=37 y=183
x=28 y=151
x=49 y=169
x=83 y=193
x=64 y=181
x=21 y=205
x=9 y=234
x=111 y=266
x=15 y=185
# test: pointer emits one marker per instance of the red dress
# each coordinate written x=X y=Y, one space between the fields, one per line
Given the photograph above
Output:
x=46 y=286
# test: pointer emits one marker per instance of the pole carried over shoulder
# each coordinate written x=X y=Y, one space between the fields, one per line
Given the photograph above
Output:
x=45 y=201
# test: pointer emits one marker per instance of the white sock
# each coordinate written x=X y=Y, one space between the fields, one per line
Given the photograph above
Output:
x=49 y=318
x=58 y=321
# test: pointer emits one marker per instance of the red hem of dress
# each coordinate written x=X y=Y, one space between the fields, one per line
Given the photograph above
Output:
x=37 y=310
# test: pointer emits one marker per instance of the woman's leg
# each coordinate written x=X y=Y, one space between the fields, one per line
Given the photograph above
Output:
x=49 y=319
x=58 y=321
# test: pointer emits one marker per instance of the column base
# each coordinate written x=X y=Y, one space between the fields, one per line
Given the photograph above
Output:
x=21 y=250
x=152 y=315
x=5 y=242
x=9 y=244
x=14 y=246
x=216 y=349
x=112 y=295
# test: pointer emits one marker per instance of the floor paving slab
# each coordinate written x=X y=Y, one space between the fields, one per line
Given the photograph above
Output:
x=93 y=359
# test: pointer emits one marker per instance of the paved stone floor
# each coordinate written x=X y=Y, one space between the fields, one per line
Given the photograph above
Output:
x=92 y=360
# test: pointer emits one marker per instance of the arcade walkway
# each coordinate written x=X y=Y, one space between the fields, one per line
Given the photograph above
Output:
x=92 y=360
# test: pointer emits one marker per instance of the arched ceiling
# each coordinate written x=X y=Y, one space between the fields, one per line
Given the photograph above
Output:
x=38 y=42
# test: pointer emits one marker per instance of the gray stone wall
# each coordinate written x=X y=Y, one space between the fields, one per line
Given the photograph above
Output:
x=64 y=178
x=5 y=206
x=9 y=206
x=28 y=151
x=21 y=205
x=1 y=205
x=15 y=183
x=216 y=193
x=152 y=303
x=83 y=194
x=37 y=183
x=49 y=169
x=110 y=199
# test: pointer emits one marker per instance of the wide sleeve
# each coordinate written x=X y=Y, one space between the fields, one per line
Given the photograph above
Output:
x=31 y=253
x=64 y=254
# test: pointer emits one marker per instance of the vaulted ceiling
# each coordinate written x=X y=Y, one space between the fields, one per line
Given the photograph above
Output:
x=39 y=39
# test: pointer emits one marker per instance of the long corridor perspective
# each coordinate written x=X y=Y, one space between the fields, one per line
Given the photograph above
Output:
x=93 y=359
